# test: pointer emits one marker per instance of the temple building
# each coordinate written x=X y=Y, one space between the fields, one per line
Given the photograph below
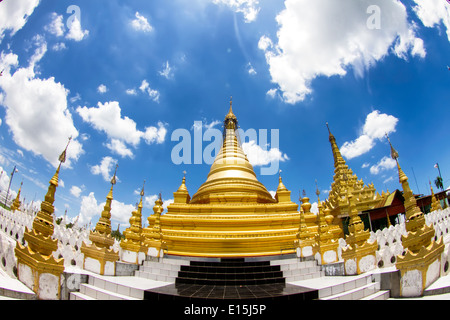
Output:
x=233 y=240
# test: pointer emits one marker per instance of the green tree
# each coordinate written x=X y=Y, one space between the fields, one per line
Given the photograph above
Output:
x=439 y=183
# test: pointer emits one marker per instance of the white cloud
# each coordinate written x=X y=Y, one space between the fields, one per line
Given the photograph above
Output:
x=59 y=46
x=36 y=109
x=329 y=38
x=107 y=118
x=375 y=127
x=89 y=208
x=361 y=145
x=120 y=130
x=272 y=92
x=140 y=23
x=14 y=15
x=118 y=147
x=76 y=191
x=75 y=31
x=105 y=167
x=153 y=134
x=131 y=92
x=249 y=8
x=167 y=71
x=432 y=13
x=385 y=163
x=56 y=26
x=251 y=71
x=102 y=88
x=153 y=94
x=257 y=156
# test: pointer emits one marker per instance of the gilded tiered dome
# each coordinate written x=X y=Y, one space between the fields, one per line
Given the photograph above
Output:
x=232 y=214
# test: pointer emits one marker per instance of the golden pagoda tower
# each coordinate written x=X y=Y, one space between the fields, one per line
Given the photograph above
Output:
x=306 y=237
x=435 y=203
x=232 y=214
x=326 y=247
x=343 y=180
x=359 y=255
x=16 y=203
x=420 y=264
x=37 y=268
x=99 y=257
x=154 y=242
x=133 y=250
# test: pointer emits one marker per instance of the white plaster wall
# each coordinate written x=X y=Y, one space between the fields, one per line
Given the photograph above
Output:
x=26 y=275
x=141 y=257
x=307 y=251
x=92 y=265
x=367 y=263
x=128 y=256
x=411 y=284
x=48 y=286
x=350 y=267
x=433 y=272
x=110 y=268
x=330 y=256
x=153 y=252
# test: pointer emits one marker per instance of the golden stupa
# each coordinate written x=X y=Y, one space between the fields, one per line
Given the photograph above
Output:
x=232 y=214
x=344 y=180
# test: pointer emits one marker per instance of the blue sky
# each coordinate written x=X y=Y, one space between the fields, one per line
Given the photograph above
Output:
x=121 y=77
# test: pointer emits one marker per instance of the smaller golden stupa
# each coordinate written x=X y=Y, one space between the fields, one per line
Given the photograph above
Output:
x=132 y=246
x=37 y=268
x=99 y=257
x=422 y=255
x=435 y=203
x=359 y=255
x=16 y=203
x=326 y=246
x=154 y=242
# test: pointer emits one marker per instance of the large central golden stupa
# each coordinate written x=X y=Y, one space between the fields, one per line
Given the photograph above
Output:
x=232 y=214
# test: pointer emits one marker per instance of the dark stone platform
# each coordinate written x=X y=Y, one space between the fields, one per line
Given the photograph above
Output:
x=230 y=279
x=198 y=292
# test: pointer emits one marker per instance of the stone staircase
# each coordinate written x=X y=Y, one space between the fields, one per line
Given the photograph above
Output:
x=157 y=276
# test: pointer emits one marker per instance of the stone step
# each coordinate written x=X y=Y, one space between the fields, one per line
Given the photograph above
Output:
x=304 y=276
x=102 y=294
x=357 y=293
x=121 y=290
x=380 y=295
x=80 y=296
x=153 y=276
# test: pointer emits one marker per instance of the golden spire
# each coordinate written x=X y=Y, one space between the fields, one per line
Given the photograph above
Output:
x=415 y=219
x=281 y=186
x=231 y=173
x=43 y=222
x=16 y=203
